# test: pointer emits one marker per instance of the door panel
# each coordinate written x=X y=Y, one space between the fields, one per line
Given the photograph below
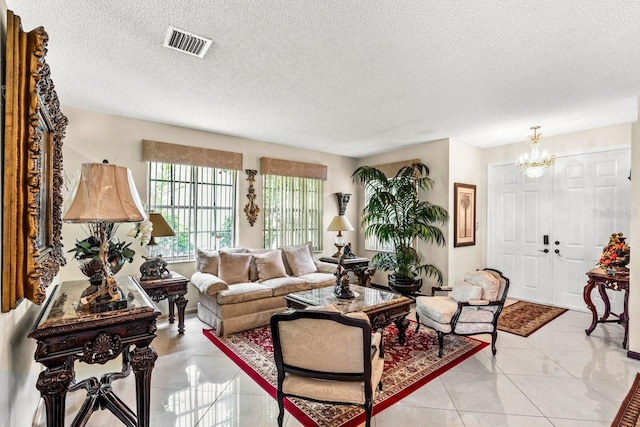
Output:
x=579 y=202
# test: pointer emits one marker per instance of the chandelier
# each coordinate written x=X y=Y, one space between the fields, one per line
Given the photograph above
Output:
x=534 y=163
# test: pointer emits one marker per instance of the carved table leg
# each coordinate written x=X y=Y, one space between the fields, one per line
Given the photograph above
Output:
x=171 y=299
x=53 y=384
x=142 y=362
x=605 y=299
x=587 y=299
x=181 y=302
x=401 y=323
x=626 y=318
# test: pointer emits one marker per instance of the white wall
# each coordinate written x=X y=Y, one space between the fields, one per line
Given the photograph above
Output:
x=436 y=156
x=92 y=137
x=466 y=166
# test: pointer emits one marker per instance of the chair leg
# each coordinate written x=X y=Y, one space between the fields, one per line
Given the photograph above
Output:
x=368 y=409
x=417 y=322
x=281 y=407
x=440 y=343
x=494 y=338
x=380 y=386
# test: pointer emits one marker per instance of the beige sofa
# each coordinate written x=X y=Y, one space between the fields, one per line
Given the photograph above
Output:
x=241 y=288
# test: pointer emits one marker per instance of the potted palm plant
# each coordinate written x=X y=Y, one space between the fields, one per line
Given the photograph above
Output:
x=397 y=217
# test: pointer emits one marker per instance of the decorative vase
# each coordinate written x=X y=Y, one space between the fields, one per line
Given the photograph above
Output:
x=92 y=268
x=404 y=285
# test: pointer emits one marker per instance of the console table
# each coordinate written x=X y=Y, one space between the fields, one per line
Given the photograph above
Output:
x=358 y=266
x=65 y=333
x=598 y=278
x=173 y=289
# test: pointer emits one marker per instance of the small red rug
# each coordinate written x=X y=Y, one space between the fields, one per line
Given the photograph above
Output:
x=524 y=318
x=406 y=368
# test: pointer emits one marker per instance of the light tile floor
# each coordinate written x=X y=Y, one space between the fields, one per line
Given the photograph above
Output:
x=558 y=376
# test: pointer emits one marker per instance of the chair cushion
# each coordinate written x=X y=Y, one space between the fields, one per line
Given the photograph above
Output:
x=333 y=308
x=300 y=260
x=269 y=265
x=473 y=328
x=439 y=308
x=234 y=267
x=490 y=284
x=464 y=291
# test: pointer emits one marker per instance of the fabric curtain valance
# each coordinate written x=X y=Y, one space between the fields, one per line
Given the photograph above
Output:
x=155 y=151
x=390 y=169
x=269 y=166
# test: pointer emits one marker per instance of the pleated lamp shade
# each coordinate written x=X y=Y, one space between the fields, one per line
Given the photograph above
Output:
x=104 y=193
x=160 y=227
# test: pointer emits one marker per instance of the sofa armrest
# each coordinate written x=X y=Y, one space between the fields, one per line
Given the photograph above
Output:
x=326 y=267
x=208 y=283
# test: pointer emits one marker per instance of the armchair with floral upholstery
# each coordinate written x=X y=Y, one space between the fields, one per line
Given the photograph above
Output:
x=472 y=307
x=325 y=356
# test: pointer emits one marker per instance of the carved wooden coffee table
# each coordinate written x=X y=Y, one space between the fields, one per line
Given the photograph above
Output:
x=382 y=307
x=66 y=334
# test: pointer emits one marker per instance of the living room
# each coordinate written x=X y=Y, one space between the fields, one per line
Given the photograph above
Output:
x=92 y=136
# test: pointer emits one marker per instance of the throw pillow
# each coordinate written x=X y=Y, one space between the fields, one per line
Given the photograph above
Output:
x=490 y=284
x=208 y=261
x=270 y=265
x=234 y=267
x=300 y=260
x=464 y=291
x=253 y=268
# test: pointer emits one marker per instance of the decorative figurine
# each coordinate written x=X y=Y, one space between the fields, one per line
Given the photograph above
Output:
x=346 y=252
x=342 y=289
x=154 y=268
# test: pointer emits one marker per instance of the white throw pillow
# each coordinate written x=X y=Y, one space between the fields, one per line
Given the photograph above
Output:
x=234 y=267
x=270 y=265
x=300 y=260
x=464 y=291
x=490 y=284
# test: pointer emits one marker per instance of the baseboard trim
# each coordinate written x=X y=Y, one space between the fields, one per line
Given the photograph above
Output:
x=633 y=355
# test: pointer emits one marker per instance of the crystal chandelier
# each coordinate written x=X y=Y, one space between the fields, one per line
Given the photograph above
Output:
x=534 y=163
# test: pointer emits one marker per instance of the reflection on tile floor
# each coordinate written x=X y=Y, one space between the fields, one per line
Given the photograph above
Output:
x=556 y=377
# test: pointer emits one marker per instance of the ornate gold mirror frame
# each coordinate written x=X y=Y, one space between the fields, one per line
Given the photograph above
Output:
x=32 y=181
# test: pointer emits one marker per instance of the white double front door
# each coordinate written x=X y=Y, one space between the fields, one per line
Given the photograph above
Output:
x=576 y=204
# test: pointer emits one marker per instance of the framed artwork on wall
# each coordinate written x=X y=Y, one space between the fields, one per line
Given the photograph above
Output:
x=464 y=214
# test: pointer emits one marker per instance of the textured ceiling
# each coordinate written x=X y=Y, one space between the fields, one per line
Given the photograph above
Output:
x=353 y=77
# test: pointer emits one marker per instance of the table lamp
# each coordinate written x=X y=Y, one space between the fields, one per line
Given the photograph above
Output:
x=103 y=194
x=339 y=223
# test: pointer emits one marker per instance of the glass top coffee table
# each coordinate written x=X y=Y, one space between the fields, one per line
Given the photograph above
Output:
x=382 y=307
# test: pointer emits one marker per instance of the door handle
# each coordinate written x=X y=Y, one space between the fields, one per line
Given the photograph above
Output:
x=546 y=251
x=557 y=251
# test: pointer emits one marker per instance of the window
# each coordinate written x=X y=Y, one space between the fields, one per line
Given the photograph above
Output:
x=199 y=203
x=371 y=243
x=292 y=211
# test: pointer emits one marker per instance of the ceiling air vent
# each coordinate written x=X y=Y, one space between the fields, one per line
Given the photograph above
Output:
x=186 y=42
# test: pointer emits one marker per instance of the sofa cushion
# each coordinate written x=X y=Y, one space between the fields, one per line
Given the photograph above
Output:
x=319 y=280
x=464 y=291
x=269 y=265
x=286 y=285
x=208 y=261
x=242 y=292
x=300 y=259
x=208 y=283
x=490 y=284
x=234 y=267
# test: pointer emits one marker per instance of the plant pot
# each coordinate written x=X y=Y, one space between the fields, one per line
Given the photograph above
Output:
x=404 y=285
x=92 y=268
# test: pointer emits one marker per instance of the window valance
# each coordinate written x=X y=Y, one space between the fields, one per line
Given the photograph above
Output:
x=155 y=151
x=269 y=166
x=390 y=169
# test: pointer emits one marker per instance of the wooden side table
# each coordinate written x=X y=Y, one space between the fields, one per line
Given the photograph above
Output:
x=172 y=289
x=358 y=266
x=65 y=333
x=597 y=277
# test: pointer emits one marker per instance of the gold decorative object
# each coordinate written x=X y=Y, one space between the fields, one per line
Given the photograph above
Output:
x=103 y=194
x=34 y=127
x=616 y=254
x=251 y=210
x=534 y=163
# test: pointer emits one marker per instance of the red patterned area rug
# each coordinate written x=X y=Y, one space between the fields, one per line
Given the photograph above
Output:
x=406 y=368
x=524 y=318
x=629 y=412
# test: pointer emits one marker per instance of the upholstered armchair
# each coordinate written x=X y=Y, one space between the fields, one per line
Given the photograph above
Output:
x=326 y=356
x=472 y=307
